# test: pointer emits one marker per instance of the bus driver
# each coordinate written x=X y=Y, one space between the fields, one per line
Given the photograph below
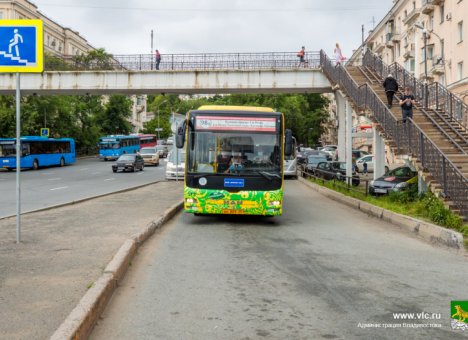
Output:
x=236 y=163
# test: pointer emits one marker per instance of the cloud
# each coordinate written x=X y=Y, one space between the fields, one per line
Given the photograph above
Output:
x=124 y=27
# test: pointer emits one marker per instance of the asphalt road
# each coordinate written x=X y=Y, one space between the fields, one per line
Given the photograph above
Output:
x=86 y=178
x=320 y=271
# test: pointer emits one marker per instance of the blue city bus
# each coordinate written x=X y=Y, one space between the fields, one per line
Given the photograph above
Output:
x=37 y=152
x=112 y=147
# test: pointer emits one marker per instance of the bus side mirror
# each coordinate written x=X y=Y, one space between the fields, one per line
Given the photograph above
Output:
x=288 y=143
x=180 y=136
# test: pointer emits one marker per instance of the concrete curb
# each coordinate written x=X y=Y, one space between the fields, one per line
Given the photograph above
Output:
x=428 y=231
x=82 y=200
x=83 y=317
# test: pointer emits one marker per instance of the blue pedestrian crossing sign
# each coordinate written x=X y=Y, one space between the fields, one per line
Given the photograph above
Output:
x=45 y=132
x=21 y=46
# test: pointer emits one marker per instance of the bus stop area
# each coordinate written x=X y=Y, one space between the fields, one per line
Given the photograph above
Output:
x=64 y=251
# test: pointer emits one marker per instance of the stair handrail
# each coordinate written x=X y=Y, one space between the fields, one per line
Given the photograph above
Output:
x=454 y=183
x=426 y=113
x=438 y=96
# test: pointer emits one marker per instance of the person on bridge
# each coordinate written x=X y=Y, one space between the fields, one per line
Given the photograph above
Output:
x=339 y=58
x=391 y=86
x=158 y=59
x=406 y=102
x=301 y=56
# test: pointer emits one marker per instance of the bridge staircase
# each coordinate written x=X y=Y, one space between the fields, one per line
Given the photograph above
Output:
x=435 y=139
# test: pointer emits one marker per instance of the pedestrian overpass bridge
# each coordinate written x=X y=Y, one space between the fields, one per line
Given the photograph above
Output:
x=180 y=74
x=438 y=145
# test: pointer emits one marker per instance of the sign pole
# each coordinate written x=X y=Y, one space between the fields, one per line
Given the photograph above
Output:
x=18 y=160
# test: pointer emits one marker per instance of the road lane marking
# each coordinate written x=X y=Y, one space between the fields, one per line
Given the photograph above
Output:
x=109 y=179
x=54 y=179
x=59 y=188
x=48 y=173
x=83 y=169
x=95 y=173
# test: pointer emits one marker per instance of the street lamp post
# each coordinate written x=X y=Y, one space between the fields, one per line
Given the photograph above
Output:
x=424 y=32
x=308 y=137
x=425 y=67
x=159 y=129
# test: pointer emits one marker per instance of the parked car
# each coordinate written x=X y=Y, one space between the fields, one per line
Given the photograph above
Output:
x=312 y=160
x=330 y=150
x=397 y=179
x=162 y=151
x=131 y=162
x=335 y=170
x=369 y=159
x=150 y=155
x=359 y=153
x=304 y=153
x=170 y=141
x=173 y=169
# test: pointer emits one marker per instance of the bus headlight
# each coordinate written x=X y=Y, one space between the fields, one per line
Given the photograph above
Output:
x=202 y=181
x=191 y=201
x=274 y=203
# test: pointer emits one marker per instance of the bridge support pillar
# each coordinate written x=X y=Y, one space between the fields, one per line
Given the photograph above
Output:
x=349 y=141
x=341 y=114
x=379 y=154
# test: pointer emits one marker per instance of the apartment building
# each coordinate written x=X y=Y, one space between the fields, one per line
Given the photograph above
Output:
x=58 y=40
x=63 y=41
x=401 y=36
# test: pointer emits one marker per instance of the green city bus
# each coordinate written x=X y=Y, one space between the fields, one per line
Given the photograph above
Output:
x=234 y=160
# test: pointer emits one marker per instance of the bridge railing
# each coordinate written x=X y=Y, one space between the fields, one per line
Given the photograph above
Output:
x=195 y=62
x=407 y=136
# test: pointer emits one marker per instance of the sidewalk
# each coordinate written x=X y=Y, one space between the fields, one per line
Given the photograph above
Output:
x=63 y=251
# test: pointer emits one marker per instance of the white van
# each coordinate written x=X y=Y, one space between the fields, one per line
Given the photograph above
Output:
x=175 y=170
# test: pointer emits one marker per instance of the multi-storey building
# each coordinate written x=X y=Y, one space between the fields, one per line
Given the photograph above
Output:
x=63 y=41
x=58 y=40
x=440 y=26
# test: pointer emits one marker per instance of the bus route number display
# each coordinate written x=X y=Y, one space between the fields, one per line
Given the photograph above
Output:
x=225 y=123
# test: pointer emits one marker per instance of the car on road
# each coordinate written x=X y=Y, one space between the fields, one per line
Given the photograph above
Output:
x=398 y=179
x=150 y=155
x=335 y=170
x=170 y=141
x=130 y=162
x=369 y=160
x=175 y=167
x=162 y=150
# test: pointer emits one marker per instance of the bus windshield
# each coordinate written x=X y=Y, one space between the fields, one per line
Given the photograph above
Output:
x=215 y=152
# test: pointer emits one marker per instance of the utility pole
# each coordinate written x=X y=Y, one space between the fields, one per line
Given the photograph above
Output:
x=151 y=52
x=362 y=35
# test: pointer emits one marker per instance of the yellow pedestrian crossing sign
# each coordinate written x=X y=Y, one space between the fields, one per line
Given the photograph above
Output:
x=21 y=46
x=45 y=132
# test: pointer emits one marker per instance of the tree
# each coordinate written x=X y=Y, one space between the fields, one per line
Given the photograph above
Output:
x=97 y=59
x=113 y=120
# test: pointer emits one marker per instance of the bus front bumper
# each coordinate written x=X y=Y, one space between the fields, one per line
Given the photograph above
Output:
x=266 y=203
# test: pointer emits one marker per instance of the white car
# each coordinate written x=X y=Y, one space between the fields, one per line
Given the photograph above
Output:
x=369 y=159
x=174 y=170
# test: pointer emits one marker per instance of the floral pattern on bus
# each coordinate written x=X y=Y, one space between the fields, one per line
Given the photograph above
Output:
x=206 y=201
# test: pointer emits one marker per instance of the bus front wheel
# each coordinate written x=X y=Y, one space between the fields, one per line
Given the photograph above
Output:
x=35 y=165
x=62 y=162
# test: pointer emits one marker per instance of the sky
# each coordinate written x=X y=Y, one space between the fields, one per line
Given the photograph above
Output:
x=183 y=26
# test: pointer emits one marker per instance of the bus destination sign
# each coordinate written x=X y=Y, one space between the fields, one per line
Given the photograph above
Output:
x=225 y=123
